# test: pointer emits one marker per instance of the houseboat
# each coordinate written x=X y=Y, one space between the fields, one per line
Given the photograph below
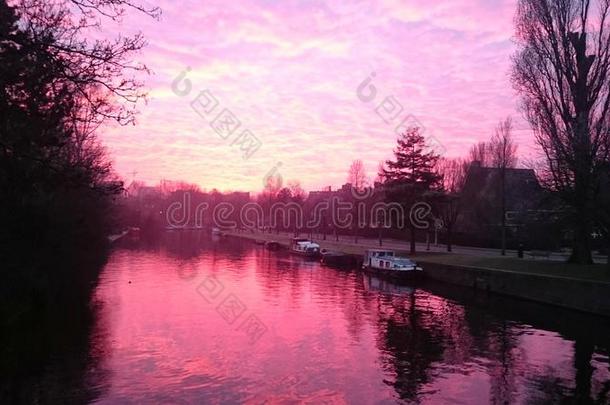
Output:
x=386 y=263
x=305 y=247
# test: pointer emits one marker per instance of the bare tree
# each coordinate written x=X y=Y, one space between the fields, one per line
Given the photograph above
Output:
x=502 y=148
x=100 y=74
x=454 y=173
x=503 y=152
x=448 y=202
x=479 y=152
x=561 y=70
x=60 y=79
x=356 y=175
x=296 y=191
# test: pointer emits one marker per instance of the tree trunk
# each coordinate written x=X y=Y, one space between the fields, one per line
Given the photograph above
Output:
x=581 y=252
x=581 y=245
x=449 y=247
x=503 y=180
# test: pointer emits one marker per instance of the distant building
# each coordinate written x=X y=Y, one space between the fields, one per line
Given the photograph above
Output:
x=481 y=201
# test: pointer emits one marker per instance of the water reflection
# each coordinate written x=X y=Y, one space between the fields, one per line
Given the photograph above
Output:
x=332 y=336
x=55 y=356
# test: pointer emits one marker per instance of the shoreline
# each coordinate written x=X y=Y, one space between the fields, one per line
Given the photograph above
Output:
x=547 y=282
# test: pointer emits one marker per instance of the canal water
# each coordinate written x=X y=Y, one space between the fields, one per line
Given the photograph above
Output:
x=197 y=320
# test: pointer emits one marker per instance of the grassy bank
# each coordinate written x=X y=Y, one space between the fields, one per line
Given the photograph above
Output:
x=594 y=272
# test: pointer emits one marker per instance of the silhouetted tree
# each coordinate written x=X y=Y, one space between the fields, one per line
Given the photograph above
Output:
x=58 y=87
x=448 y=201
x=503 y=152
x=356 y=175
x=296 y=191
x=561 y=70
x=411 y=174
x=479 y=152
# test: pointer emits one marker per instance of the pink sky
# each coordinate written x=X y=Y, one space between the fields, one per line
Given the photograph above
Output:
x=289 y=71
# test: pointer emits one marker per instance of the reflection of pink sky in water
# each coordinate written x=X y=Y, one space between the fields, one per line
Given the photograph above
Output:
x=327 y=338
x=289 y=72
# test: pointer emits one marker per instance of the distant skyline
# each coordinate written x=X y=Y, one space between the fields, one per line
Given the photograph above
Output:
x=289 y=71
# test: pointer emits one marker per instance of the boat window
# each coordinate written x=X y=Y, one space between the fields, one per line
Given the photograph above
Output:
x=404 y=262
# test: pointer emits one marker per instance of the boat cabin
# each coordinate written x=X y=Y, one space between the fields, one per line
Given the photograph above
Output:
x=387 y=260
x=305 y=246
x=371 y=254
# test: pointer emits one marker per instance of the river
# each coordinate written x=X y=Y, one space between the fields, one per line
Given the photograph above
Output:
x=200 y=320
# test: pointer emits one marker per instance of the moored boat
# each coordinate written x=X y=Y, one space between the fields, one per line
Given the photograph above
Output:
x=273 y=245
x=337 y=259
x=305 y=247
x=387 y=263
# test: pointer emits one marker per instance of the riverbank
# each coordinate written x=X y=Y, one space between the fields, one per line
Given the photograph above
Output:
x=581 y=287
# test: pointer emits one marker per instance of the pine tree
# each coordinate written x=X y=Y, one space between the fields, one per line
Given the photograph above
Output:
x=414 y=164
x=412 y=174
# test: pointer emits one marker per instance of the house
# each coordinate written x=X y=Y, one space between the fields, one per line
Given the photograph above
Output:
x=481 y=202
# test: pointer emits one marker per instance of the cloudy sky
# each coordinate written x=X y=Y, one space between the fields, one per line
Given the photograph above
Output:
x=291 y=73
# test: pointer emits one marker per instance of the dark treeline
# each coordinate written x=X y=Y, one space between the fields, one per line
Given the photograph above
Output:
x=56 y=182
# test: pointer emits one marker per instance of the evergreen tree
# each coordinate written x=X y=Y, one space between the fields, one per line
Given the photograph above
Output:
x=411 y=175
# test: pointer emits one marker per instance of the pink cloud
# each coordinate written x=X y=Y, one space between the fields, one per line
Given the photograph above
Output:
x=289 y=72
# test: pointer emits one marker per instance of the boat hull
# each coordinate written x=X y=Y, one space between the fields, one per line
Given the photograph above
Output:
x=309 y=255
x=272 y=245
x=411 y=275
x=338 y=260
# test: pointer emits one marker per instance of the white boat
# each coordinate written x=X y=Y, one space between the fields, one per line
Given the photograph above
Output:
x=305 y=247
x=385 y=262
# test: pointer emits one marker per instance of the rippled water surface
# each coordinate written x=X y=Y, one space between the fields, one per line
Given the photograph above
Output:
x=197 y=320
